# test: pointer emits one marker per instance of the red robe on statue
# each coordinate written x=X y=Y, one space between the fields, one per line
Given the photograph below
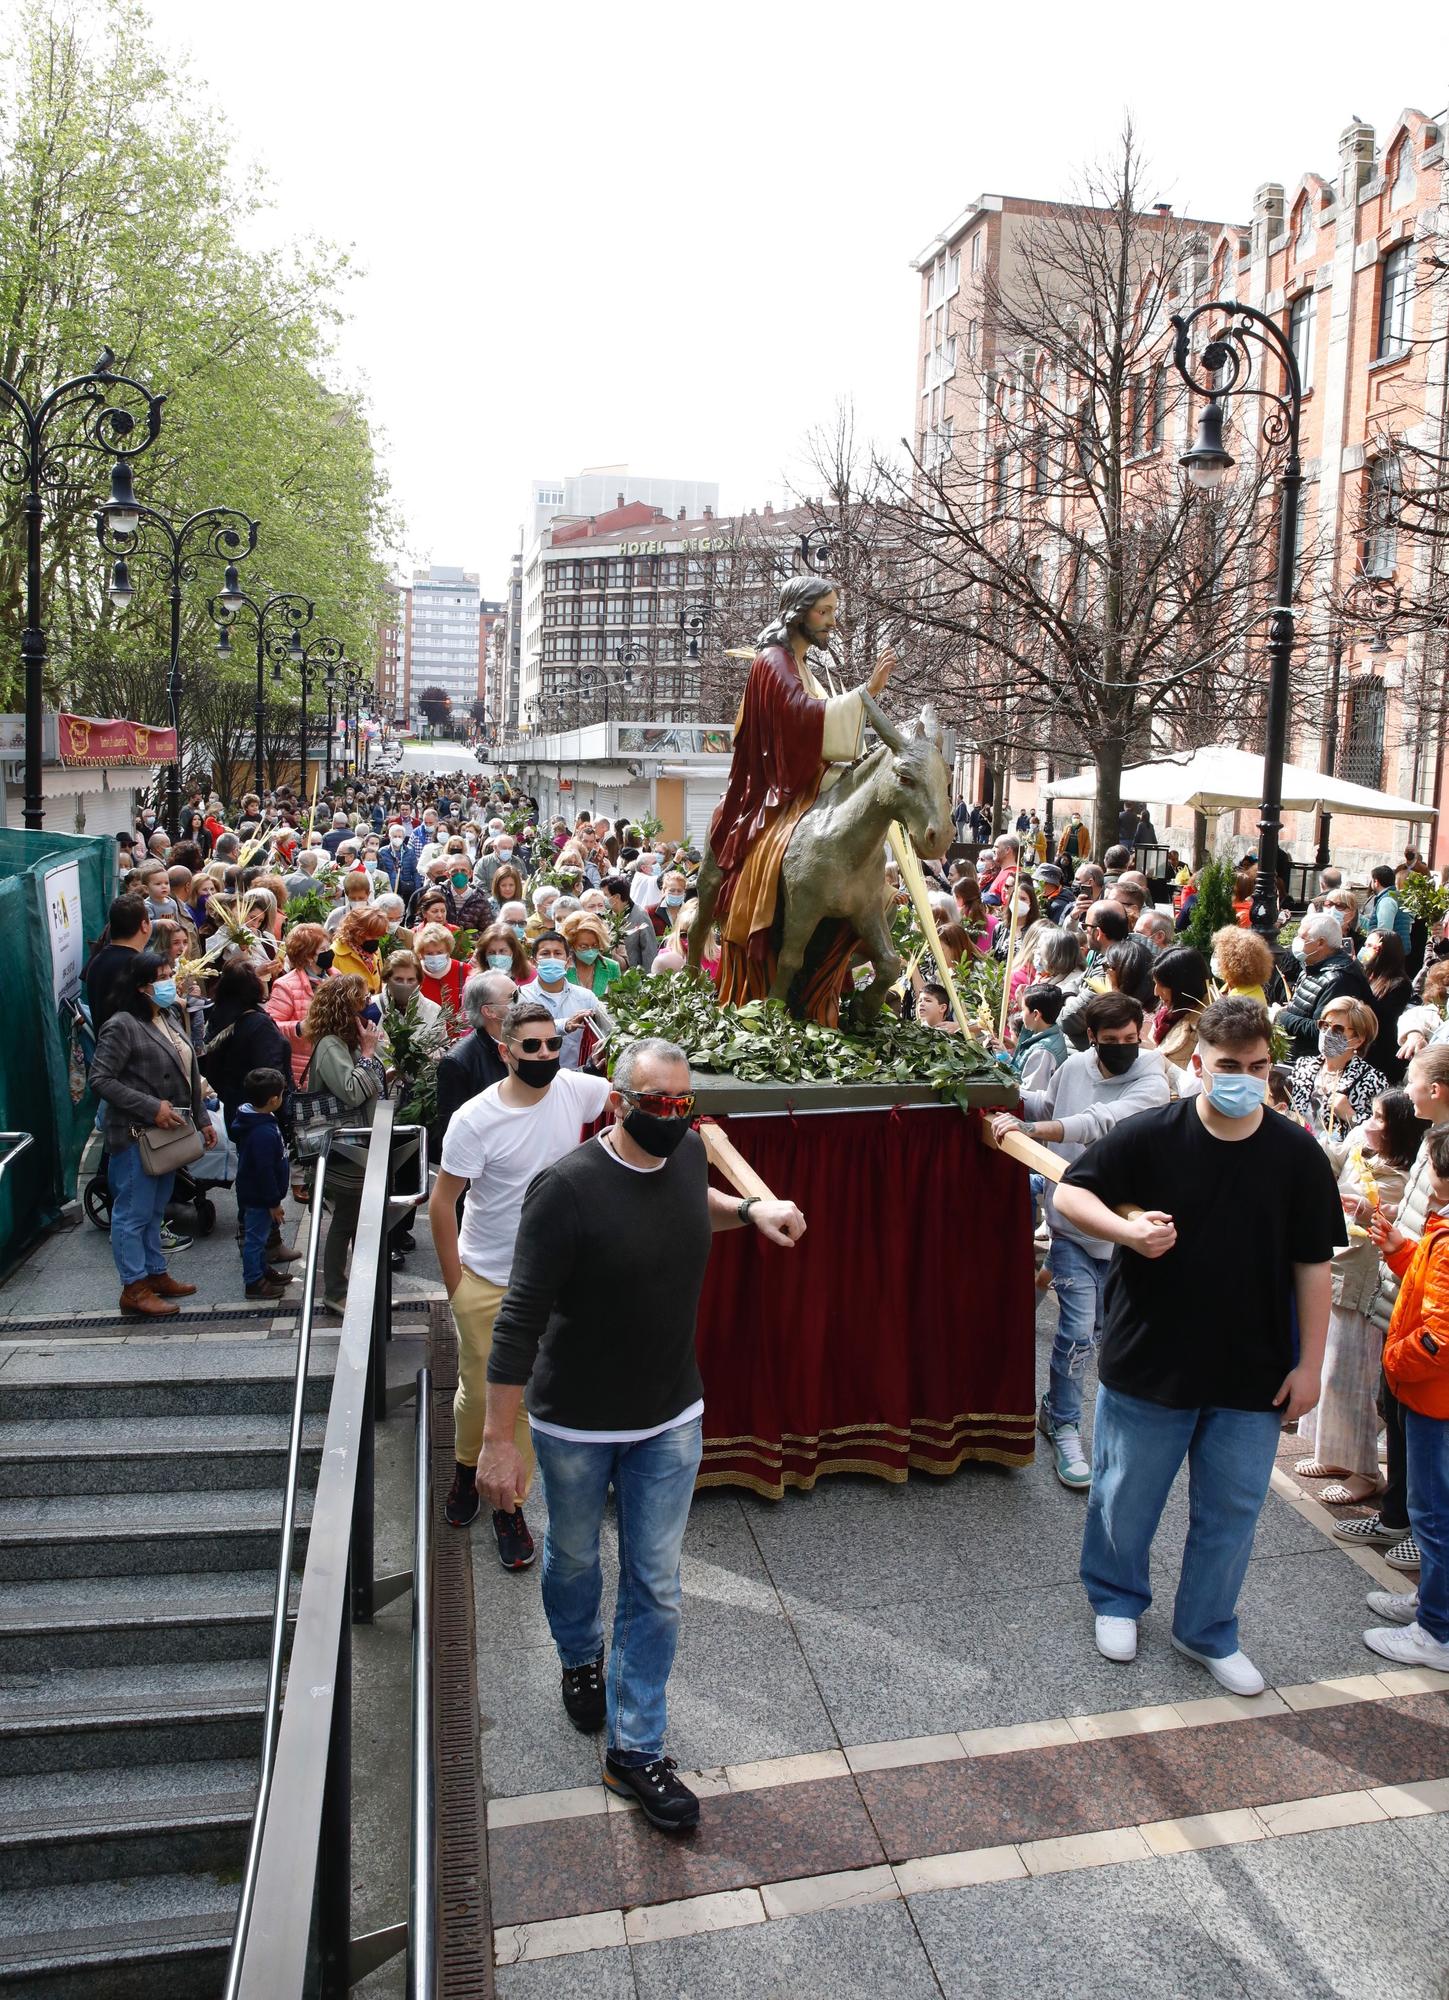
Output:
x=786 y=737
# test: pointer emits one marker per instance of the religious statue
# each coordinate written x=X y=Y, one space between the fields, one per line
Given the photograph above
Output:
x=794 y=873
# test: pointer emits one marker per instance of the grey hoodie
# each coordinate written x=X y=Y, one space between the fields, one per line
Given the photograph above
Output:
x=1088 y=1103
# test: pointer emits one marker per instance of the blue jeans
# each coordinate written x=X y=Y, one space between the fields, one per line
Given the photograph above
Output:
x=257 y=1226
x=138 y=1204
x=1137 y=1449
x=1428 y=1442
x=653 y=1486
x=1080 y=1281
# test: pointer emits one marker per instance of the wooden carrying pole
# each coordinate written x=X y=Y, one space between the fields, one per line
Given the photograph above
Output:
x=914 y=878
x=1038 y=1159
x=730 y=1163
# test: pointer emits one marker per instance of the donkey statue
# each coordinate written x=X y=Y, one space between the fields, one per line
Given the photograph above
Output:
x=833 y=872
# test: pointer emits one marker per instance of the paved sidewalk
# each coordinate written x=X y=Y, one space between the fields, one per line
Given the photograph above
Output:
x=919 y=1775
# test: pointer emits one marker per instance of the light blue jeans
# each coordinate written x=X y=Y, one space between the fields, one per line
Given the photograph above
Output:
x=653 y=1485
x=1427 y=1439
x=1137 y=1449
x=138 y=1206
x=1079 y=1281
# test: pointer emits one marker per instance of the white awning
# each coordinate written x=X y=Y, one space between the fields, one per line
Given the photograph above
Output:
x=1219 y=780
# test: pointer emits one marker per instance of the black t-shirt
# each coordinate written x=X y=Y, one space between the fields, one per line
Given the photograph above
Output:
x=101 y=976
x=1211 y=1324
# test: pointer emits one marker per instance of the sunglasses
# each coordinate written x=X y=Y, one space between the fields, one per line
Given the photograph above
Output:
x=552 y=1043
x=661 y=1104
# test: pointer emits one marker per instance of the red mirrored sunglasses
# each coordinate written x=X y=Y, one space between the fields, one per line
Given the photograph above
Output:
x=657 y=1104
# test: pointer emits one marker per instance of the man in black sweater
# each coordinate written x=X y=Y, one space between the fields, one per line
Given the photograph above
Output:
x=605 y=1344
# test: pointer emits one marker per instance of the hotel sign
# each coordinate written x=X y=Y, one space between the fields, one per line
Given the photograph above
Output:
x=707 y=545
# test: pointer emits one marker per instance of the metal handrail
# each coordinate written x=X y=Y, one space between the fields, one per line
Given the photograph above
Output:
x=297 y=1848
x=23 y=1139
x=422 y=1845
x=271 y=1716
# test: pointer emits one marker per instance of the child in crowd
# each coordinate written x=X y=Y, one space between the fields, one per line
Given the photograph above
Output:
x=1416 y=1367
x=1041 y=1047
x=933 y=1009
x=261 y=1178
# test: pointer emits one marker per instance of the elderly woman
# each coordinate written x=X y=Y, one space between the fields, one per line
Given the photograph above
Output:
x=544 y=898
x=500 y=949
x=590 y=965
x=431 y=908
x=515 y=915
x=394 y=909
x=1336 y=1088
x=403 y=985
x=1242 y=964
x=442 y=974
x=1342 y=1432
x=146 y=1075
x=291 y=994
x=359 y=939
x=346 y=1064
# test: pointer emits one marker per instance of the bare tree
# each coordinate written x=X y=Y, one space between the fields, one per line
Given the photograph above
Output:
x=1060 y=590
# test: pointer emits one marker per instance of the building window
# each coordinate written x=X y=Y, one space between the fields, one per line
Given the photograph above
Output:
x=1300 y=335
x=1140 y=426
x=1381 y=544
x=1305 y=227
x=953 y=270
x=1404 y=184
x=976 y=250
x=1363 y=747
x=1394 y=302
x=971 y=339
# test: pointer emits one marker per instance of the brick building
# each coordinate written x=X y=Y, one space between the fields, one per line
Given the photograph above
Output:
x=1355 y=268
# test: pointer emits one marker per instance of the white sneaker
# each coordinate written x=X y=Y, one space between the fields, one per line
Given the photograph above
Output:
x=1117 y=1638
x=1410 y=1645
x=1235 y=1672
x=1400 y=1607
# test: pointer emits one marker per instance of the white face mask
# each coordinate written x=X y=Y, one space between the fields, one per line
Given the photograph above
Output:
x=1217 y=969
x=1023 y=907
x=435 y=963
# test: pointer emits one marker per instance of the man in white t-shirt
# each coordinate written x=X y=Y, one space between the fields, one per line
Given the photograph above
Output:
x=495 y=1145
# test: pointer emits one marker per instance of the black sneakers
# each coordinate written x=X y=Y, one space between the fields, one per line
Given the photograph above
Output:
x=515 y=1544
x=663 y=1801
x=461 y=1505
x=583 y=1695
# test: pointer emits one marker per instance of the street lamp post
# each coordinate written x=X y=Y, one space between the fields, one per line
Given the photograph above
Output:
x=279 y=620
x=78 y=415
x=1241 y=336
x=329 y=681
x=321 y=652
x=162 y=547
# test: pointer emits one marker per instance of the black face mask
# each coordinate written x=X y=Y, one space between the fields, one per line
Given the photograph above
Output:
x=1116 y=1058
x=536 y=1071
x=657 y=1136
x=324 y=959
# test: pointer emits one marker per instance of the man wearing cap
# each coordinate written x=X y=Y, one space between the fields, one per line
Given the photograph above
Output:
x=1054 y=895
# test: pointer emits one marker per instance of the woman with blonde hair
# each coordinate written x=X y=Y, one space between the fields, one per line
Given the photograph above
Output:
x=442 y=973
x=359 y=939
x=590 y=966
x=1242 y=964
x=1337 y=1087
x=291 y=994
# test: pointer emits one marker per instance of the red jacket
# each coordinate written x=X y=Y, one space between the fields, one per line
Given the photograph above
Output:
x=1416 y=1348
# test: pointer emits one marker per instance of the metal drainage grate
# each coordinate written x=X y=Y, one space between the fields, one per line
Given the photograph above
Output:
x=244 y=1320
x=465 y=1935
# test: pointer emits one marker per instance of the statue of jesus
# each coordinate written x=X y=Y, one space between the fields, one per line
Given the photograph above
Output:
x=791 y=738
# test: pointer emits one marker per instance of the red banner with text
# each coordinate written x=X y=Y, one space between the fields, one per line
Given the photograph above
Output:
x=89 y=739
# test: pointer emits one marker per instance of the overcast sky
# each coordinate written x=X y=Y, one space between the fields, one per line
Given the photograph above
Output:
x=677 y=236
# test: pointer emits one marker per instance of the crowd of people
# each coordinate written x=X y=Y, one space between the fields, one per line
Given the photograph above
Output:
x=265 y=979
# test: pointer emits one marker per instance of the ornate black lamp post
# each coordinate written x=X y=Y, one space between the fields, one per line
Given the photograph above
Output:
x=171 y=550
x=329 y=681
x=278 y=620
x=321 y=652
x=1239 y=342
x=83 y=414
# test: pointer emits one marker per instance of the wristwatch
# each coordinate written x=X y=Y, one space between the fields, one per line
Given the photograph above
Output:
x=743 y=1211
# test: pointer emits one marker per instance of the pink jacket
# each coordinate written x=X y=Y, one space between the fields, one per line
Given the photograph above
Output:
x=290 y=998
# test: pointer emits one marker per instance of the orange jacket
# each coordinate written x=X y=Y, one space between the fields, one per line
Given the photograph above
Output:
x=1416 y=1348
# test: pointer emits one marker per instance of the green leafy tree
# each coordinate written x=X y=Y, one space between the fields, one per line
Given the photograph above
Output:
x=1213 y=911
x=122 y=220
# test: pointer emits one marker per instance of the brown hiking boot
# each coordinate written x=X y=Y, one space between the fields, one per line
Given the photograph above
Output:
x=167 y=1287
x=139 y=1298
x=278 y=1253
x=267 y=1288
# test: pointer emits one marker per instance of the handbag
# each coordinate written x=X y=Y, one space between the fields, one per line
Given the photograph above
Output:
x=165 y=1149
x=316 y=1114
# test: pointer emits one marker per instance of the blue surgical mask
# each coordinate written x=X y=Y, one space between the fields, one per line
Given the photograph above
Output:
x=551 y=971
x=675 y=902
x=163 y=992
x=1236 y=1096
x=587 y=953
x=499 y=961
x=520 y=930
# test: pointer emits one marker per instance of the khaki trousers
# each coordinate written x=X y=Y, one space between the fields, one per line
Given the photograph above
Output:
x=475 y=1307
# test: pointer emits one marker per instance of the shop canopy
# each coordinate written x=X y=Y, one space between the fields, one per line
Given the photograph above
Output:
x=1219 y=781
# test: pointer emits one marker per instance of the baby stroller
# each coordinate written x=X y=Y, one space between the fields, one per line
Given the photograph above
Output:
x=194 y=1184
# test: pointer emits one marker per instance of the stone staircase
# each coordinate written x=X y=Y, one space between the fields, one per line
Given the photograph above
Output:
x=140 y=1514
